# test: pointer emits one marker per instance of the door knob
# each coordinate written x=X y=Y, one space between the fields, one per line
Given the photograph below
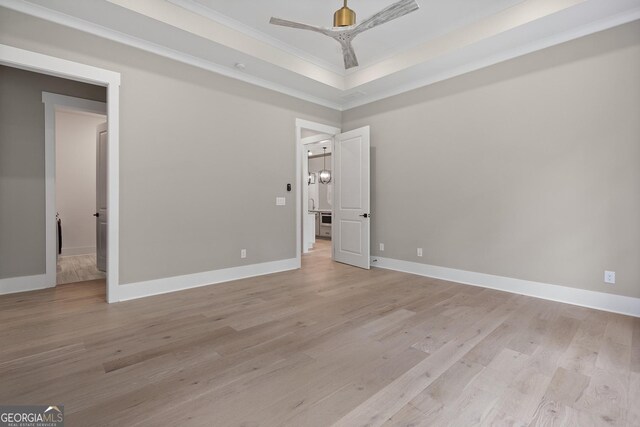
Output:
x=97 y=214
x=365 y=215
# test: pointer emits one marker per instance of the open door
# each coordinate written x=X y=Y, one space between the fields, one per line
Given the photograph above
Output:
x=101 y=197
x=351 y=205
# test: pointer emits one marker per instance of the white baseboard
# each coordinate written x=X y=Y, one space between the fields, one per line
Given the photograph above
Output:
x=598 y=300
x=178 y=283
x=13 y=285
x=87 y=250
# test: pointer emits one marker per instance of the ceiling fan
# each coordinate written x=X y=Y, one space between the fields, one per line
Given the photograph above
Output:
x=345 y=29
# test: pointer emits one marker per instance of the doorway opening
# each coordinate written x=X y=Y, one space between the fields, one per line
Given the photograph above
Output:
x=346 y=216
x=318 y=204
x=34 y=277
x=80 y=186
x=311 y=137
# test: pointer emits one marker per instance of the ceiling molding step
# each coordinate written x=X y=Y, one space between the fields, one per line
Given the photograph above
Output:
x=201 y=26
x=200 y=9
x=556 y=39
x=513 y=17
x=116 y=36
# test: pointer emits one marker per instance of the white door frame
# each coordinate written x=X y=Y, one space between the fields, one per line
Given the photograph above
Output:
x=45 y=64
x=54 y=102
x=317 y=127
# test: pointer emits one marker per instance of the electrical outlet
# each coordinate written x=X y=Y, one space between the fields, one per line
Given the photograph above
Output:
x=243 y=253
x=281 y=201
x=419 y=251
x=381 y=247
x=610 y=277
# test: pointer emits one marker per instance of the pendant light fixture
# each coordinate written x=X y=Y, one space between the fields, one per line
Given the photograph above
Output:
x=325 y=175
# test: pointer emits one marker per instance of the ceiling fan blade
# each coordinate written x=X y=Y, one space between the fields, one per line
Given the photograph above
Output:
x=301 y=26
x=387 y=14
x=349 y=54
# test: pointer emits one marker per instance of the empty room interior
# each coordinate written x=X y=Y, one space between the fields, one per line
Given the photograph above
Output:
x=320 y=213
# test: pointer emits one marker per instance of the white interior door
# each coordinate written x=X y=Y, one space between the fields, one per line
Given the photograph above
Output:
x=351 y=215
x=101 y=197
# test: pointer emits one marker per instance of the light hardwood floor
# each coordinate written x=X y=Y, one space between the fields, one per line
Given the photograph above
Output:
x=77 y=268
x=325 y=345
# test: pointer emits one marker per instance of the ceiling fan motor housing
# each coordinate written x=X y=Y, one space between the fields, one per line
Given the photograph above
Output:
x=344 y=17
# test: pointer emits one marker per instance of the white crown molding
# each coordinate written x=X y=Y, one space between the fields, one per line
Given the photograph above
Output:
x=178 y=283
x=209 y=13
x=581 y=297
x=556 y=39
x=23 y=284
x=116 y=36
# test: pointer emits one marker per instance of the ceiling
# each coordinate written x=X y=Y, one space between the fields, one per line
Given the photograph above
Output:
x=444 y=38
x=317 y=149
x=435 y=17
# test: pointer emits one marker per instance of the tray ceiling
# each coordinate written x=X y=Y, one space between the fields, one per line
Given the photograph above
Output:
x=442 y=39
x=434 y=18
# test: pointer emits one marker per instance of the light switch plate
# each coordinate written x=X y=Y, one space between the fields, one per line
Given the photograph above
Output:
x=281 y=201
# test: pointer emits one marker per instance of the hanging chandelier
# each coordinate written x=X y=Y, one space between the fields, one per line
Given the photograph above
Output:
x=324 y=175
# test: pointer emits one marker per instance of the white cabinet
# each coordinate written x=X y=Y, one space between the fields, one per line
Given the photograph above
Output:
x=325 y=231
x=325 y=224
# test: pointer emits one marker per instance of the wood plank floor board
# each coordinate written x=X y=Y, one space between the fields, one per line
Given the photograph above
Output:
x=408 y=416
x=497 y=418
x=635 y=347
x=554 y=414
x=435 y=400
x=582 y=353
x=328 y=344
x=633 y=405
x=471 y=408
x=604 y=398
x=501 y=371
x=566 y=387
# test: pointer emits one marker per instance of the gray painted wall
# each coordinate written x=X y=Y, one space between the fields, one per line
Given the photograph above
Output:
x=22 y=228
x=188 y=168
x=528 y=169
